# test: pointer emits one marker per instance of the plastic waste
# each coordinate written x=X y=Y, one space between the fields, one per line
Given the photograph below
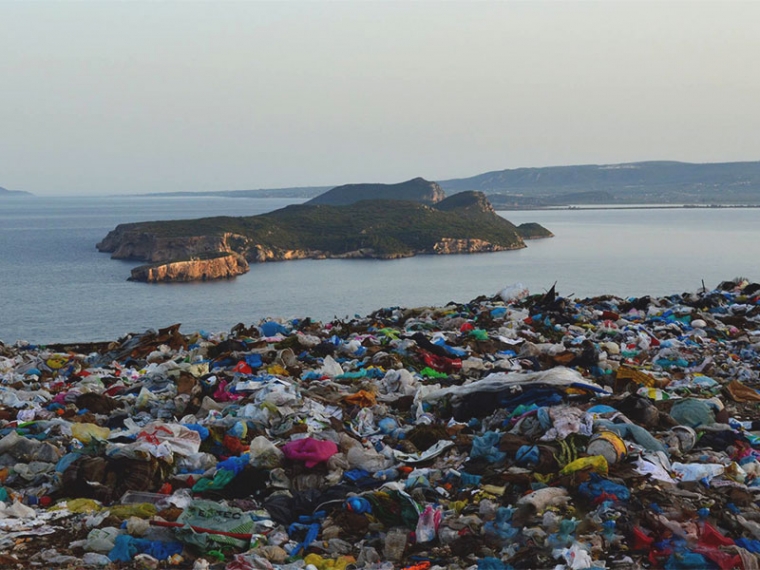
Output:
x=485 y=447
x=264 y=453
x=395 y=544
x=476 y=427
x=101 y=539
x=541 y=499
x=595 y=463
x=309 y=450
x=94 y=559
x=514 y=292
x=427 y=525
x=697 y=471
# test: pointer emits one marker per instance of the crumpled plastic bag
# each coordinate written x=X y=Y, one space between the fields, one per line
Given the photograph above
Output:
x=655 y=464
x=576 y=557
x=331 y=368
x=638 y=433
x=597 y=463
x=567 y=420
x=693 y=413
x=215 y=517
x=514 y=292
x=264 y=453
x=428 y=523
x=17 y=511
x=543 y=498
x=362 y=398
x=485 y=447
x=309 y=450
x=697 y=471
x=101 y=539
x=87 y=432
x=92 y=559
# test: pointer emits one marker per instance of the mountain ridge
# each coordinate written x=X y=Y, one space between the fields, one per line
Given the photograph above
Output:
x=416 y=190
x=643 y=182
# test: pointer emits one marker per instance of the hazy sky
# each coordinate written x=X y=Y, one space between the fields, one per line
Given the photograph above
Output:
x=131 y=97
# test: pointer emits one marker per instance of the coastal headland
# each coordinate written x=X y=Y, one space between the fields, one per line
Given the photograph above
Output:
x=425 y=222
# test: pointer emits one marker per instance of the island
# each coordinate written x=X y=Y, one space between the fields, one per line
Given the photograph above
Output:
x=222 y=247
x=5 y=193
x=203 y=267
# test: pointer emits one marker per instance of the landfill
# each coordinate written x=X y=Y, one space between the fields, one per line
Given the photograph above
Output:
x=515 y=431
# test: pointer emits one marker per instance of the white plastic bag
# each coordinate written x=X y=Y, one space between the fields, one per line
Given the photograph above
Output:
x=514 y=292
x=264 y=453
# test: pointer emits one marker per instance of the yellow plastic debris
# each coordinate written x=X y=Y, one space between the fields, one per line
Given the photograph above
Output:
x=339 y=563
x=86 y=506
x=87 y=432
x=57 y=361
x=139 y=510
x=493 y=490
x=277 y=369
x=596 y=463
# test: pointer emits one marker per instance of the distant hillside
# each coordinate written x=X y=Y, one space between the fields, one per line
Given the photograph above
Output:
x=4 y=192
x=667 y=182
x=509 y=201
x=293 y=192
x=415 y=190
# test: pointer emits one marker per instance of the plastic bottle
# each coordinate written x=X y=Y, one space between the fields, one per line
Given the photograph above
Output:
x=387 y=474
x=395 y=544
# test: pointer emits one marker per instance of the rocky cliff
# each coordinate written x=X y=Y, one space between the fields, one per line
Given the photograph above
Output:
x=224 y=266
x=450 y=245
x=132 y=241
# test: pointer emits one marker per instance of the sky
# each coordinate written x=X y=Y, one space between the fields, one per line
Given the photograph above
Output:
x=100 y=98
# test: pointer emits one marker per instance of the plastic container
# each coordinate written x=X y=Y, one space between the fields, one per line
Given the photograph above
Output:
x=687 y=437
x=140 y=497
x=387 y=474
x=395 y=544
x=609 y=445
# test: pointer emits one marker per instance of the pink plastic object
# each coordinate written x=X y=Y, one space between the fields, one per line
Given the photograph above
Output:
x=309 y=450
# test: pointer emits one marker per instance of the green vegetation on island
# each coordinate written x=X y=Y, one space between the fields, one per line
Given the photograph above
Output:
x=416 y=190
x=464 y=223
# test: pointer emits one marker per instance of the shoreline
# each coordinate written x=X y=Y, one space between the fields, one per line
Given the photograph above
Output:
x=634 y=207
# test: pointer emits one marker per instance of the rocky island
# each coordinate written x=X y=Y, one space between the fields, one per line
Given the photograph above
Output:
x=221 y=247
x=204 y=267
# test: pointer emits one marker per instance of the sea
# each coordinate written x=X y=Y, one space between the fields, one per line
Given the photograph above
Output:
x=55 y=287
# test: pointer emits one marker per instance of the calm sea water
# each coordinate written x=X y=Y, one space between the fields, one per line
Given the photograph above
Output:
x=56 y=287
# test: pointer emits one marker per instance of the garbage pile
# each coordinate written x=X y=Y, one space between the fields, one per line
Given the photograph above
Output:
x=514 y=431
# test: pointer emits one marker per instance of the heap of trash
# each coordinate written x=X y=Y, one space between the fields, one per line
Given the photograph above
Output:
x=513 y=431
